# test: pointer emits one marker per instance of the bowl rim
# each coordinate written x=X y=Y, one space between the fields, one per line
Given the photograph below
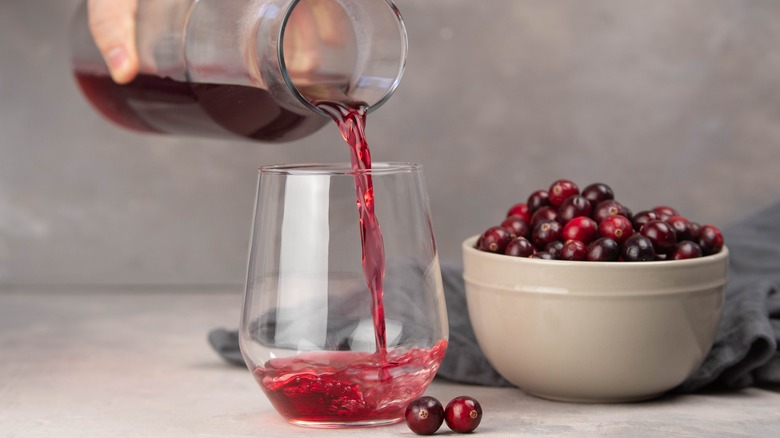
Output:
x=468 y=248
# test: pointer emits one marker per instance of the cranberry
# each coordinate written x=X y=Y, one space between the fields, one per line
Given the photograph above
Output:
x=686 y=250
x=682 y=227
x=665 y=212
x=616 y=227
x=710 y=239
x=554 y=248
x=424 y=415
x=572 y=207
x=581 y=228
x=543 y=214
x=516 y=226
x=543 y=255
x=463 y=414
x=695 y=229
x=521 y=210
x=661 y=234
x=597 y=192
x=520 y=247
x=561 y=190
x=609 y=208
x=546 y=232
x=495 y=240
x=574 y=250
x=642 y=218
x=537 y=200
x=638 y=248
x=603 y=250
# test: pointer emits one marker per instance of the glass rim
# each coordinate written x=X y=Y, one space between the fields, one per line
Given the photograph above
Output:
x=379 y=168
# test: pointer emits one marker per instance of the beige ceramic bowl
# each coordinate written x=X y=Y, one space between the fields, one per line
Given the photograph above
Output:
x=594 y=331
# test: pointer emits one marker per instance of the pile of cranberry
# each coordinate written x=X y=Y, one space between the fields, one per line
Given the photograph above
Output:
x=564 y=223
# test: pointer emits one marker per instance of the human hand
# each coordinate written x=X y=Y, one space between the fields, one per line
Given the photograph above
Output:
x=112 y=23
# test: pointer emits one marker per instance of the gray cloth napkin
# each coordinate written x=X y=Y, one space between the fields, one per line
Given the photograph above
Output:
x=746 y=347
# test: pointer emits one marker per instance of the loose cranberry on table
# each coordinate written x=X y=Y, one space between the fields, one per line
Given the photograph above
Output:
x=583 y=229
x=463 y=414
x=561 y=190
x=424 y=415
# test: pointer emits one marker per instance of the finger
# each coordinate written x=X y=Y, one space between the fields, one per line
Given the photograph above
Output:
x=112 y=23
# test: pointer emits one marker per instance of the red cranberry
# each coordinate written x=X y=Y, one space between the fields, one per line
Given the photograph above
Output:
x=463 y=414
x=424 y=415
x=682 y=227
x=574 y=250
x=572 y=207
x=597 y=192
x=543 y=255
x=521 y=210
x=609 y=208
x=516 y=226
x=694 y=228
x=685 y=250
x=520 y=247
x=554 y=248
x=642 y=218
x=495 y=240
x=665 y=212
x=616 y=227
x=710 y=239
x=583 y=229
x=661 y=234
x=543 y=214
x=603 y=250
x=638 y=248
x=537 y=200
x=546 y=232
x=561 y=190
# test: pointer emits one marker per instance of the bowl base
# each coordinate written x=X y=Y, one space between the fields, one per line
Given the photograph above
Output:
x=595 y=400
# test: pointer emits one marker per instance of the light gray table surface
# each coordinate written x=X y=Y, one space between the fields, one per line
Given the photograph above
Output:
x=135 y=363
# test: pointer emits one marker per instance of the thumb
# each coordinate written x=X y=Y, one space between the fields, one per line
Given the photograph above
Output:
x=112 y=23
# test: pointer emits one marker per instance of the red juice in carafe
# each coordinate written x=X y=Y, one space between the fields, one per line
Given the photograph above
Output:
x=163 y=105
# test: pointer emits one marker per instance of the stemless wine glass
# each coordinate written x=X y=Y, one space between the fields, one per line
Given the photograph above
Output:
x=311 y=328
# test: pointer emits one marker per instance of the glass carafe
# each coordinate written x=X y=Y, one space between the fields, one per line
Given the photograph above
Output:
x=246 y=68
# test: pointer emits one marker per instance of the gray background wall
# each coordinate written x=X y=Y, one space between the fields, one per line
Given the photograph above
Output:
x=674 y=102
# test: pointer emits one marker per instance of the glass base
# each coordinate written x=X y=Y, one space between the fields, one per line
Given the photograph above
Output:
x=343 y=425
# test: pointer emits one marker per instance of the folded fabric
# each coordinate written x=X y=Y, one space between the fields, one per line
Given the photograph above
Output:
x=745 y=350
